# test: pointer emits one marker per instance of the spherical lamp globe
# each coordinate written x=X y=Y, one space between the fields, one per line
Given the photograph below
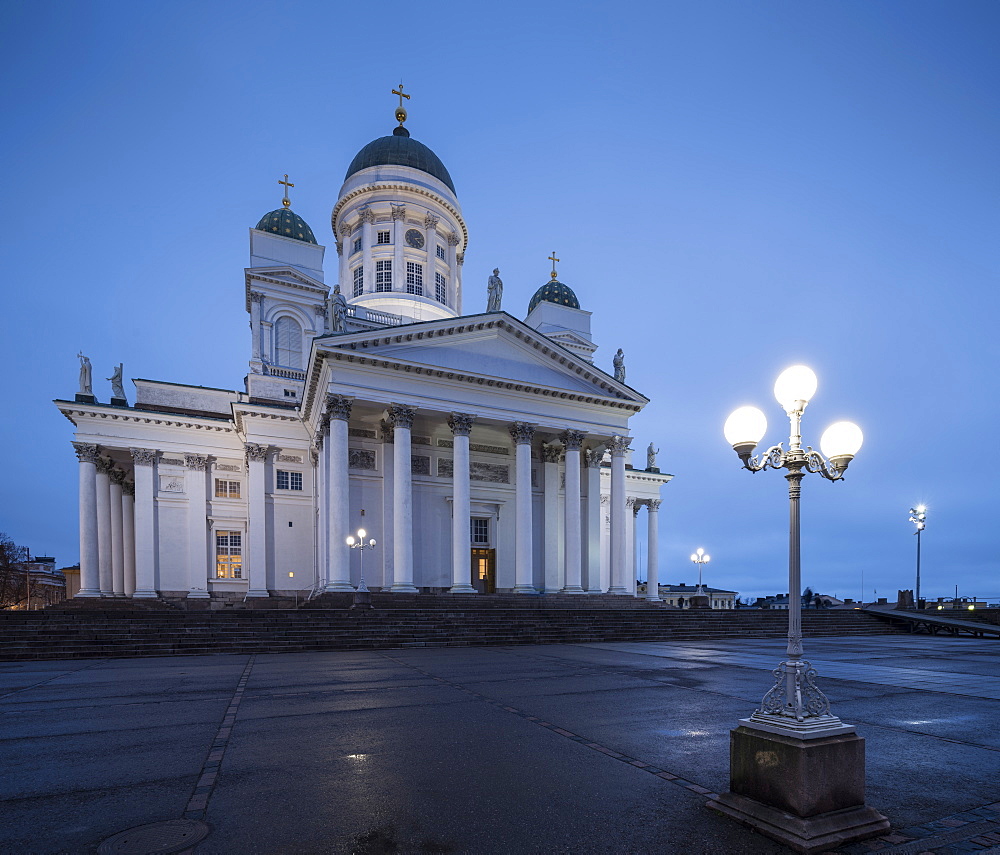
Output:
x=841 y=440
x=795 y=386
x=744 y=428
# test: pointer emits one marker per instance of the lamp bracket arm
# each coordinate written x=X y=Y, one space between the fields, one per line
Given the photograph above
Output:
x=815 y=462
x=773 y=458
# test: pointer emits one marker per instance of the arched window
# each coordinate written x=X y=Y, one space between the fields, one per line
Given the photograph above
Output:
x=288 y=343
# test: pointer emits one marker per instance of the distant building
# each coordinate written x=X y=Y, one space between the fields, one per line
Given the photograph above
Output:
x=680 y=596
x=780 y=601
x=31 y=584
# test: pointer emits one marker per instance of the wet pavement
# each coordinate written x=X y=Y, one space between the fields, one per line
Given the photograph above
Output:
x=586 y=748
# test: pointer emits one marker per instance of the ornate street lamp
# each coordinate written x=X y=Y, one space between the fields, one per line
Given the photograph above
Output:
x=700 y=559
x=362 y=596
x=918 y=516
x=792 y=754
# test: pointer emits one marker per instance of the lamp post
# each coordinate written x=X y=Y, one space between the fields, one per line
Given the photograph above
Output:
x=918 y=516
x=700 y=559
x=796 y=770
x=362 y=596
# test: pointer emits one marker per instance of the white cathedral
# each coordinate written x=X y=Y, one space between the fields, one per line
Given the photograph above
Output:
x=482 y=452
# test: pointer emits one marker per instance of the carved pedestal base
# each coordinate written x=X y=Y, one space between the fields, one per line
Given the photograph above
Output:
x=700 y=601
x=806 y=792
x=119 y=402
x=85 y=399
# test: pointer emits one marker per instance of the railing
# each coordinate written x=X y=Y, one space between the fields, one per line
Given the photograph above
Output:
x=287 y=373
x=385 y=318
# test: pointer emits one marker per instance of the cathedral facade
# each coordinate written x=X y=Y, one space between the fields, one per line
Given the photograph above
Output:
x=482 y=452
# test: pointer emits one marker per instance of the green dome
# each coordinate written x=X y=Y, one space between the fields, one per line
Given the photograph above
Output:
x=554 y=291
x=400 y=150
x=286 y=223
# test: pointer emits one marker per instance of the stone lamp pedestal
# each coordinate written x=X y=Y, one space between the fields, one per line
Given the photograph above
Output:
x=700 y=601
x=800 y=784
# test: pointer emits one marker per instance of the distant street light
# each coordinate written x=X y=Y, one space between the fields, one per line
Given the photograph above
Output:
x=701 y=559
x=362 y=596
x=918 y=516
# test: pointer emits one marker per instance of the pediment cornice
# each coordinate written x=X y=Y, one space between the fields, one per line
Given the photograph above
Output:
x=286 y=277
x=74 y=412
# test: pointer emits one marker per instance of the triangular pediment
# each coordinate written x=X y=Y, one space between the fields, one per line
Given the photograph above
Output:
x=493 y=346
x=282 y=275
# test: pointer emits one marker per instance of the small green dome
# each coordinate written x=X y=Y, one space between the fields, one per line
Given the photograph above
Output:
x=286 y=223
x=554 y=291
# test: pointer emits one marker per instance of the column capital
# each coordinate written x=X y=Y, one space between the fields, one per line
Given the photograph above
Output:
x=460 y=258
x=339 y=407
x=618 y=445
x=461 y=423
x=551 y=453
x=366 y=214
x=592 y=457
x=653 y=505
x=256 y=296
x=128 y=488
x=196 y=461
x=117 y=476
x=105 y=465
x=398 y=210
x=430 y=221
x=401 y=416
x=522 y=432
x=314 y=452
x=572 y=439
x=388 y=431
x=256 y=452
x=453 y=239
x=143 y=456
x=86 y=453
x=346 y=229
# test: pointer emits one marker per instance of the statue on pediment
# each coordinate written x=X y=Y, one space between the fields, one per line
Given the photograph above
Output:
x=651 y=456
x=86 y=376
x=494 y=290
x=338 y=311
x=619 y=364
x=117 y=387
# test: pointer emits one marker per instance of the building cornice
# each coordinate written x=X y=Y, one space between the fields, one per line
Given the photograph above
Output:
x=74 y=411
x=297 y=281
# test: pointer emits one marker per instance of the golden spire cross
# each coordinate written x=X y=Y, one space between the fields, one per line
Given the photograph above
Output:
x=552 y=258
x=286 y=201
x=401 y=110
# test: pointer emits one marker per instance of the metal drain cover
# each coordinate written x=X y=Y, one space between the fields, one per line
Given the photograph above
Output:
x=158 y=838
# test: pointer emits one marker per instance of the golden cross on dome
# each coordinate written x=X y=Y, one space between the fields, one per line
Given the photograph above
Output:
x=286 y=201
x=552 y=258
x=401 y=110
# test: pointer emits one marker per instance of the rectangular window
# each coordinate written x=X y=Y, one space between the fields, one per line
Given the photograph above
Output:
x=414 y=278
x=383 y=275
x=289 y=480
x=357 y=245
x=480 y=532
x=227 y=489
x=359 y=280
x=228 y=555
x=385 y=237
x=440 y=288
x=440 y=252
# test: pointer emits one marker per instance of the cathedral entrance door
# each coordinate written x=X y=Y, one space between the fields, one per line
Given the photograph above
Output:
x=484 y=562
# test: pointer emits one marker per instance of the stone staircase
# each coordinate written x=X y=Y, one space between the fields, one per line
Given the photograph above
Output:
x=398 y=620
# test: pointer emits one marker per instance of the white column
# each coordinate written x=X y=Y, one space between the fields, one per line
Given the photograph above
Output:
x=338 y=408
x=430 y=268
x=322 y=513
x=398 y=262
x=401 y=418
x=618 y=445
x=551 y=455
x=197 y=519
x=461 y=510
x=652 y=550
x=344 y=246
x=573 y=439
x=367 y=245
x=522 y=434
x=104 y=526
x=388 y=494
x=632 y=561
x=128 y=535
x=592 y=561
x=256 y=520
x=256 y=298
x=145 y=511
x=90 y=583
x=117 y=544
x=454 y=279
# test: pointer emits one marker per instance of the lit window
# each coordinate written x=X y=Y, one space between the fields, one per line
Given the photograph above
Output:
x=440 y=288
x=480 y=531
x=440 y=252
x=228 y=555
x=357 y=245
x=384 y=237
x=383 y=275
x=414 y=278
x=227 y=489
x=289 y=480
x=359 y=281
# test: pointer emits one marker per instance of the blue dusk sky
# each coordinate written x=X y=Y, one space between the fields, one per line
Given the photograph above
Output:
x=731 y=187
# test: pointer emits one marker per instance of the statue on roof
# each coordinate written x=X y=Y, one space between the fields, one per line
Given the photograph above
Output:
x=651 y=456
x=117 y=389
x=338 y=311
x=619 y=363
x=86 y=376
x=494 y=290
